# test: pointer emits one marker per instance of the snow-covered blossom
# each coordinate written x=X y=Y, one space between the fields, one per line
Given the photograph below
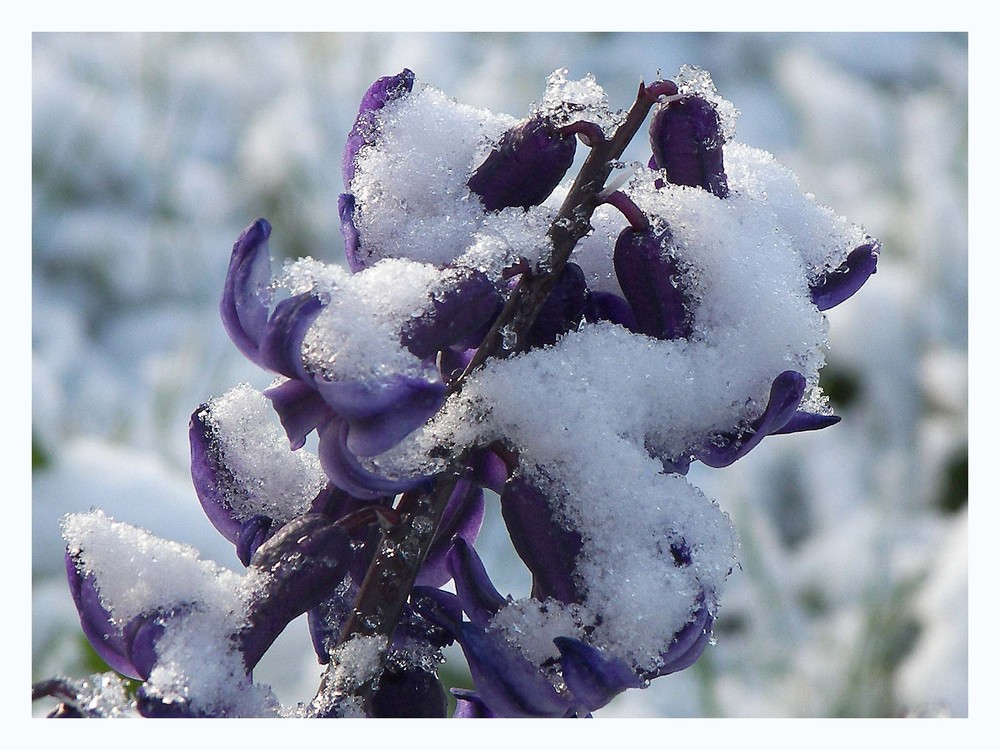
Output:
x=571 y=346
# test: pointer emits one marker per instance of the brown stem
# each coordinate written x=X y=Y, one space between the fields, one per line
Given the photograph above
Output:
x=392 y=573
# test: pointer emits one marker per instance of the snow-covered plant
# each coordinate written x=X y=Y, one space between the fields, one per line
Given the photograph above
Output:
x=570 y=345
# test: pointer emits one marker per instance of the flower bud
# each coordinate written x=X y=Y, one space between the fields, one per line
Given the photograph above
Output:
x=652 y=284
x=305 y=561
x=687 y=143
x=525 y=168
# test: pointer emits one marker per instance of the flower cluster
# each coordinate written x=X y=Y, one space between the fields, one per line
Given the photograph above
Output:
x=572 y=348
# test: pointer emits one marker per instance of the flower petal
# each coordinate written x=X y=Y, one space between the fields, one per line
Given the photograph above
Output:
x=833 y=288
x=488 y=469
x=253 y=533
x=345 y=471
x=365 y=129
x=562 y=310
x=547 y=548
x=478 y=596
x=509 y=684
x=355 y=399
x=305 y=562
x=593 y=676
x=301 y=409
x=246 y=293
x=410 y=693
x=210 y=476
x=281 y=345
x=786 y=394
x=440 y=608
x=349 y=231
x=611 y=307
x=462 y=518
x=141 y=635
x=378 y=433
x=687 y=646
x=467 y=307
x=468 y=705
x=106 y=638
x=803 y=421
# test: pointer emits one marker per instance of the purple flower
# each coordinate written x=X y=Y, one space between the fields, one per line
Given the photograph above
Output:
x=507 y=683
x=302 y=564
x=113 y=643
x=547 y=547
x=355 y=533
x=354 y=418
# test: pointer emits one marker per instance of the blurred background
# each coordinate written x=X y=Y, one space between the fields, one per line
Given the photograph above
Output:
x=152 y=152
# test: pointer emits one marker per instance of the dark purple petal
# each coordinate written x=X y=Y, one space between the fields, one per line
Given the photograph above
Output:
x=687 y=646
x=355 y=399
x=253 y=533
x=246 y=293
x=345 y=471
x=687 y=143
x=376 y=434
x=305 y=561
x=335 y=503
x=509 y=684
x=833 y=288
x=105 y=637
x=281 y=344
x=786 y=394
x=488 y=469
x=440 y=608
x=141 y=635
x=611 y=307
x=526 y=167
x=547 y=548
x=412 y=693
x=468 y=307
x=463 y=517
x=652 y=284
x=468 y=705
x=562 y=310
x=300 y=408
x=210 y=476
x=593 y=676
x=323 y=637
x=804 y=421
x=479 y=598
x=365 y=130
x=349 y=230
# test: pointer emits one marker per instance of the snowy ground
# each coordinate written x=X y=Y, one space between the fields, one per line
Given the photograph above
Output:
x=151 y=153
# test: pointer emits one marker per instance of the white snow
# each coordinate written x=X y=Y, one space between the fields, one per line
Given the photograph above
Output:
x=268 y=477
